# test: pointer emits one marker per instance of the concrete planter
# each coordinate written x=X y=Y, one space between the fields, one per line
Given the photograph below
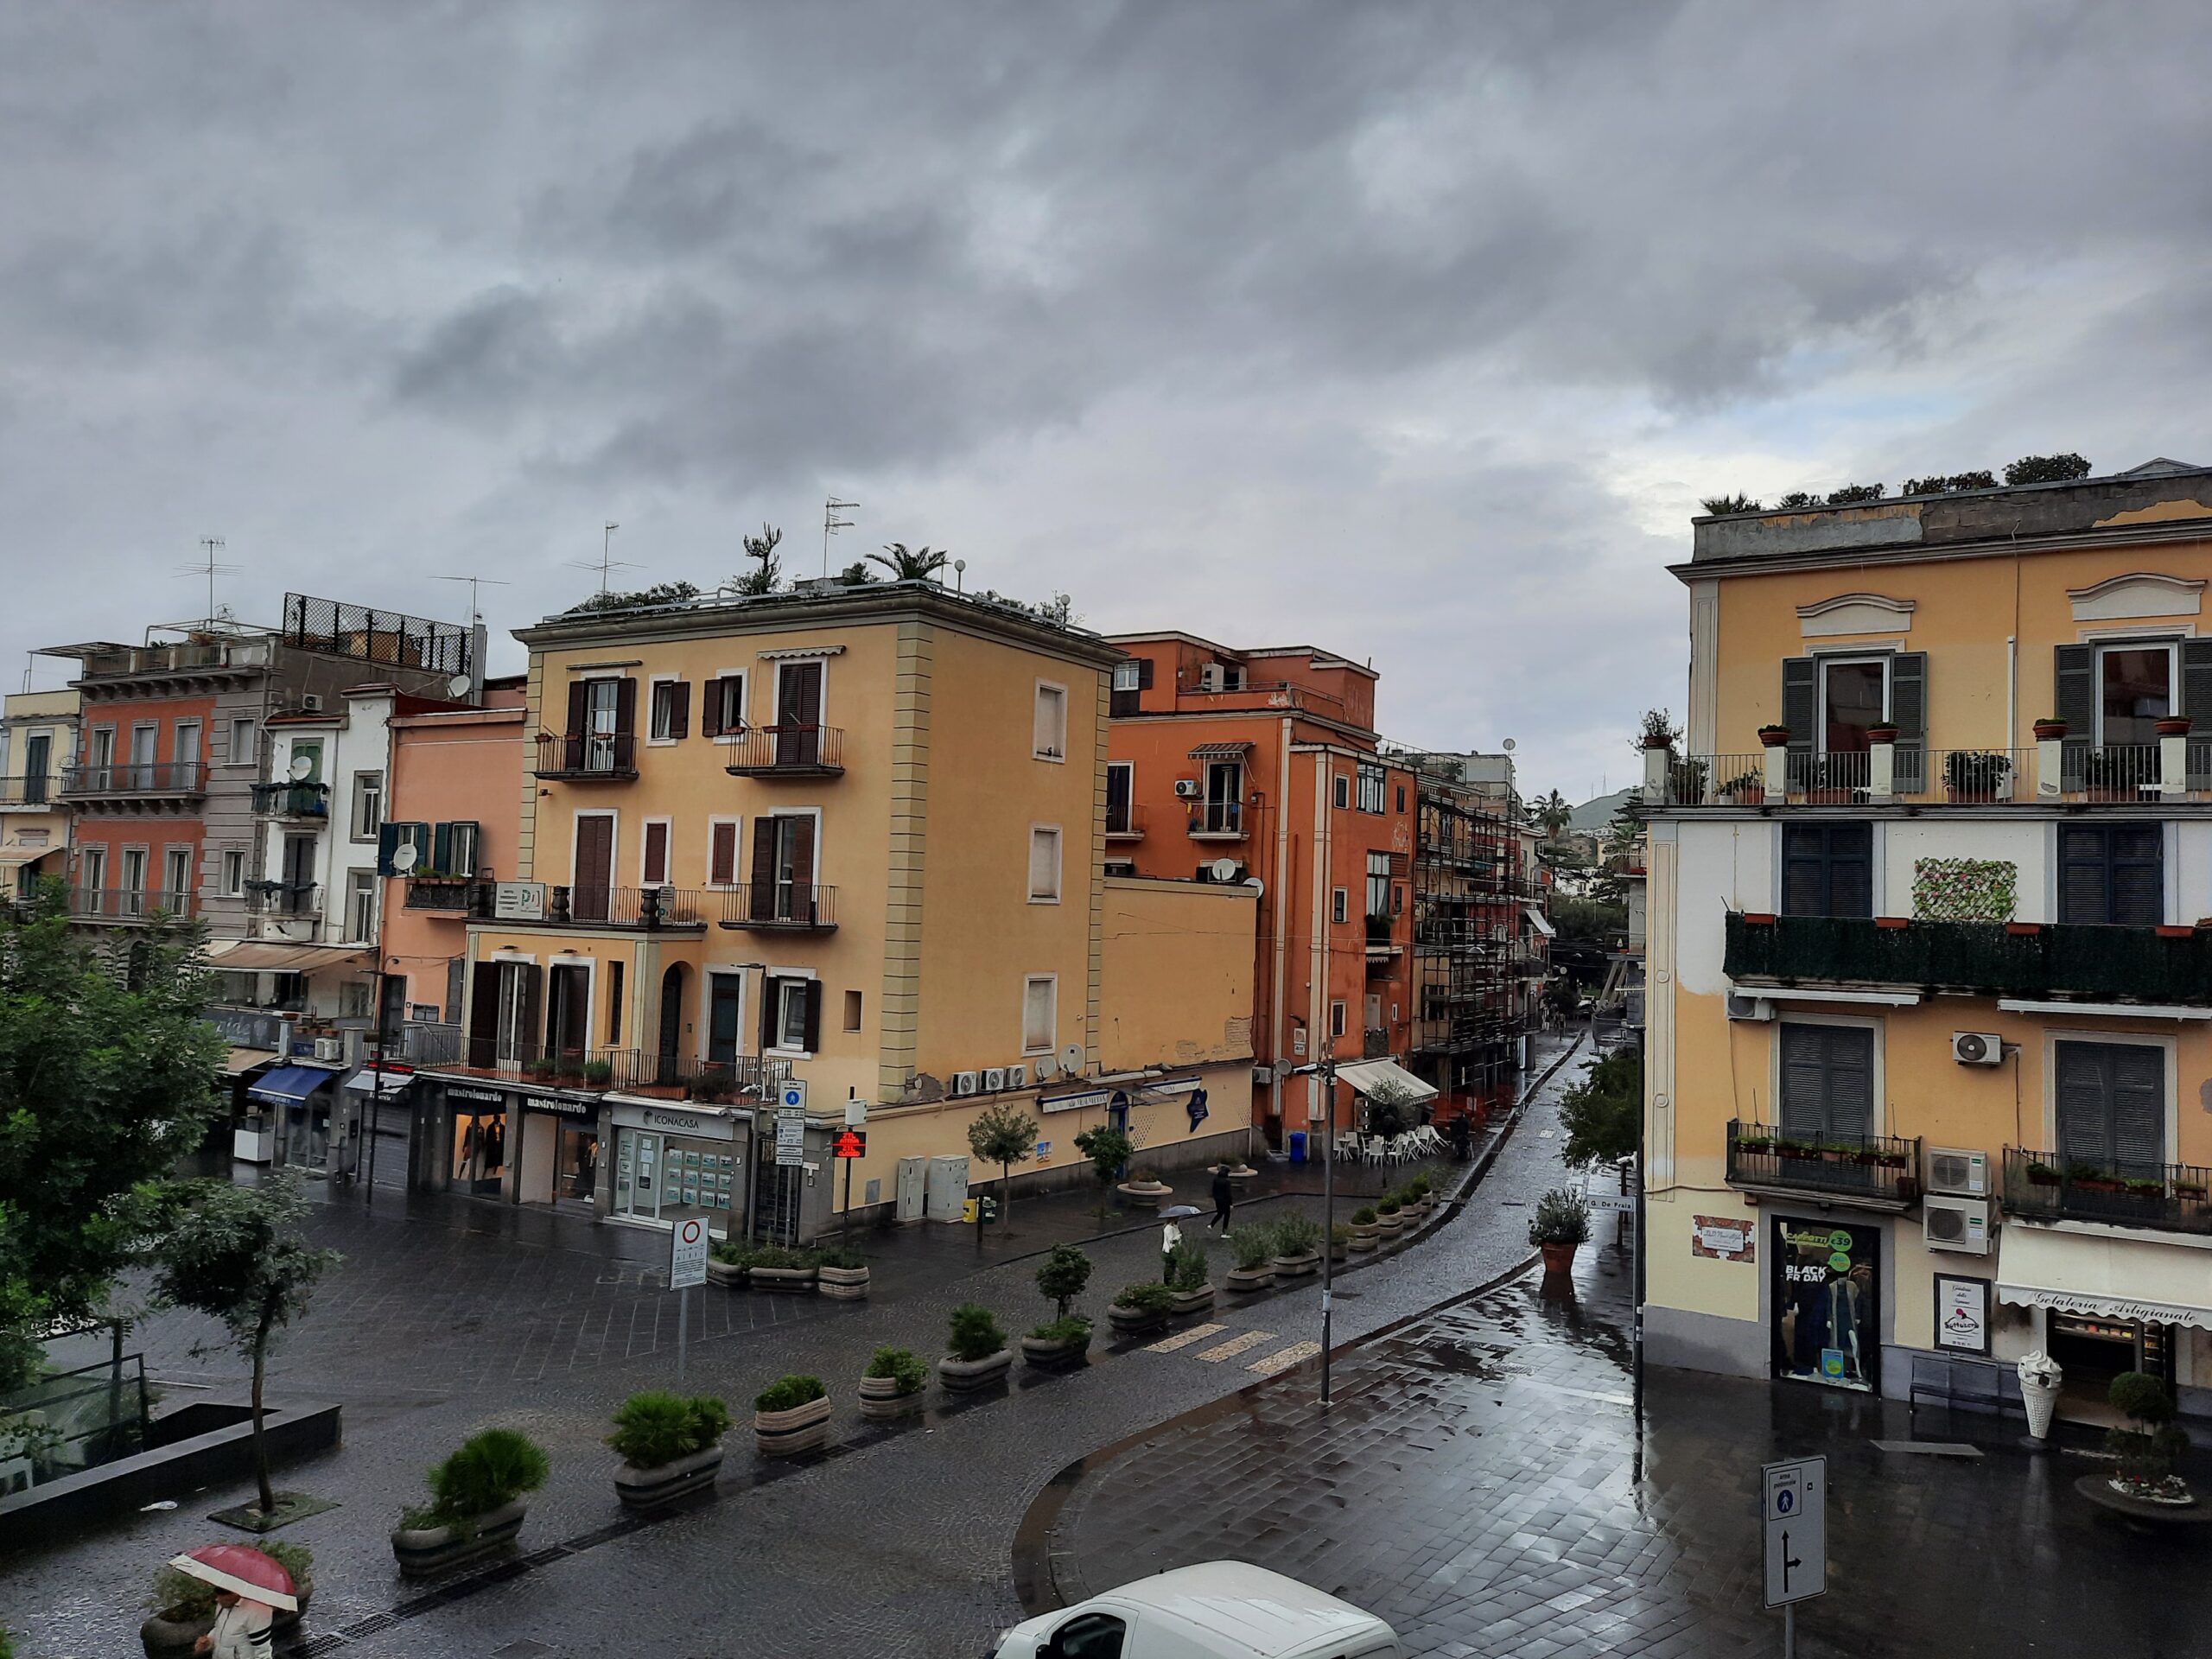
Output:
x=1055 y=1355
x=787 y=1433
x=1145 y=1195
x=1245 y=1282
x=1297 y=1267
x=881 y=1402
x=1389 y=1227
x=843 y=1284
x=1243 y=1172
x=1192 y=1302
x=728 y=1274
x=1365 y=1239
x=1136 y=1321
x=164 y=1638
x=651 y=1489
x=789 y=1281
x=424 y=1552
x=974 y=1376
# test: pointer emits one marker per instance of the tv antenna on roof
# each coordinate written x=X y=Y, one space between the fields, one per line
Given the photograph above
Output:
x=474 y=614
x=210 y=567
x=606 y=561
x=831 y=523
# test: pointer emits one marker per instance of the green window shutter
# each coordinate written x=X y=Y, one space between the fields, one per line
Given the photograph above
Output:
x=2074 y=676
x=441 y=849
x=2196 y=703
x=1908 y=713
x=1801 y=714
x=1851 y=1082
x=387 y=843
x=2138 y=1107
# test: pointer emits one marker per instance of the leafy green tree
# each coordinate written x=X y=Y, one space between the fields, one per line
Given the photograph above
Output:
x=107 y=1072
x=1003 y=1134
x=1391 y=1110
x=1719 y=506
x=2046 y=469
x=857 y=574
x=1061 y=1278
x=1602 y=1115
x=919 y=565
x=234 y=1253
x=1108 y=1149
x=1551 y=813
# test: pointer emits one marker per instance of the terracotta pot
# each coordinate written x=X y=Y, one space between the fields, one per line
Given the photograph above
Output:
x=2047 y=729
x=1884 y=733
x=1048 y=1355
x=788 y=1281
x=787 y=1433
x=1193 y=1301
x=881 y=1402
x=1304 y=1266
x=655 y=1488
x=1250 y=1280
x=843 y=1284
x=423 y=1552
x=974 y=1376
x=2022 y=930
x=1759 y=918
x=2174 y=725
x=1774 y=737
x=1893 y=922
x=1558 y=1258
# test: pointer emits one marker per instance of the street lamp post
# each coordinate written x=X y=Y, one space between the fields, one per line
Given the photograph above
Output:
x=1326 y=1069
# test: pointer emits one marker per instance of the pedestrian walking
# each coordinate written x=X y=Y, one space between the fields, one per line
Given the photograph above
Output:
x=1170 y=1236
x=1225 y=1195
x=241 y=1631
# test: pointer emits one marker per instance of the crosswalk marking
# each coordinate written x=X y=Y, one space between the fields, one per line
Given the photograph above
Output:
x=1182 y=1339
x=1236 y=1345
x=1283 y=1359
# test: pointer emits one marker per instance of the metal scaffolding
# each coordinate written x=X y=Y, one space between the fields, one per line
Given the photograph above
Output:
x=1469 y=889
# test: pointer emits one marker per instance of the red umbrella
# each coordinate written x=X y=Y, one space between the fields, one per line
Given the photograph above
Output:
x=244 y=1571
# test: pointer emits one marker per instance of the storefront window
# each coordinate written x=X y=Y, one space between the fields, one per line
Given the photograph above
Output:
x=576 y=1175
x=479 y=1149
x=667 y=1178
x=1827 y=1303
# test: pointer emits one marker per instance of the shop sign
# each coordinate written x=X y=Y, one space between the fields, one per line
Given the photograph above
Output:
x=1083 y=1102
x=475 y=1097
x=519 y=902
x=1962 y=1315
x=672 y=1119
x=1723 y=1238
x=561 y=1106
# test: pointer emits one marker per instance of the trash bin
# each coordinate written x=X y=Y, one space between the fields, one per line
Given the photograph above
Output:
x=1298 y=1145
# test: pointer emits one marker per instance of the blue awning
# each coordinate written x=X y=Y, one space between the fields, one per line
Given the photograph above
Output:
x=288 y=1085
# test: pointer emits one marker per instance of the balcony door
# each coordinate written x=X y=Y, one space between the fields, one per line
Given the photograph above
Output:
x=591 y=882
x=1827 y=1082
x=1224 y=795
x=299 y=874
x=134 y=882
x=144 y=742
x=602 y=714
x=782 y=868
x=798 y=713
x=2111 y=1100
x=567 y=1010
x=725 y=1002
x=101 y=775
x=38 y=754
x=1119 y=780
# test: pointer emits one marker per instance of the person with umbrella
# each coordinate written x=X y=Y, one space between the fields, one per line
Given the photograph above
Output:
x=249 y=1587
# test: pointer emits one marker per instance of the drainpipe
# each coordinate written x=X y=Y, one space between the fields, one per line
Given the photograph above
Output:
x=2011 y=690
x=1281 y=893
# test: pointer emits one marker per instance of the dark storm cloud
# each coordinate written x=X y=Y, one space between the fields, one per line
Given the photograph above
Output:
x=1414 y=329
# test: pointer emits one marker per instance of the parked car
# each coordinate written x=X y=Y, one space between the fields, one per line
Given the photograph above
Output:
x=1218 y=1610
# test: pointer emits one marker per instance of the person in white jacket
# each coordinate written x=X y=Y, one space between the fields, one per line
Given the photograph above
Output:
x=241 y=1631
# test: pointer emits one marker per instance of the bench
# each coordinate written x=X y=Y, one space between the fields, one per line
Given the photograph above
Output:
x=1964 y=1385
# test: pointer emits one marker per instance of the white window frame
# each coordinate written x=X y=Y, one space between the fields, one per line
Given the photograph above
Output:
x=356 y=888
x=1129 y=795
x=1878 y=1114
x=1059 y=846
x=780 y=1050
x=2170 y=643
x=1339 y=1014
x=590 y=965
x=1037 y=700
x=1882 y=660
x=744 y=678
x=653 y=684
x=645 y=834
x=252 y=730
x=233 y=869
x=2054 y=1036
x=614 y=846
x=1340 y=791
x=1051 y=982
x=93 y=861
x=736 y=855
x=170 y=853
x=178 y=741
x=371 y=782
x=1339 y=905
x=1129 y=676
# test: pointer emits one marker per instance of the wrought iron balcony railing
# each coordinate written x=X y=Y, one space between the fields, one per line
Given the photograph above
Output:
x=2170 y=1198
x=790 y=749
x=289 y=800
x=127 y=778
x=589 y=757
x=1879 y=1169
x=780 y=906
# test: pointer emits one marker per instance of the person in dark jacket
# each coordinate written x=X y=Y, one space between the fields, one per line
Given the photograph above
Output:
x=1223 y=1195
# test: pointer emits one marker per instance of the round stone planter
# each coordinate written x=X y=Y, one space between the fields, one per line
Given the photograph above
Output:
x=1145 y=1195
x=881 y=1402
x=1297 y=1267
x=1245 y=1282
x=729 y=1274
x=654 y=1488
x=788 y=1281
x=1192 y=1302
x=1389 y=1227
x=787 y=1433
x=974 y=1376
x=1559 y=1258
x=424 y=1552
x=843 y=1284
x=1365 y=1239
x=1054 y=1356
x=1243 y=1172
x=1136 y=1321
x=1337 y=1248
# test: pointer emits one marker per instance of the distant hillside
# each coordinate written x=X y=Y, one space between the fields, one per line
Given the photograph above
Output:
x=1592 y=816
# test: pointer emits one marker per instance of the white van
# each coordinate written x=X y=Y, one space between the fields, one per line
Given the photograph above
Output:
x=1220 y=1610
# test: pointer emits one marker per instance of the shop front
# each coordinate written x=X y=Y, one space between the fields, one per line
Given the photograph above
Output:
x=379 y=1100
x=1827 y=1278
x=472 y=1142
x=295 y=1115
x=559 y=1158
x=674 y=1162
x=2106 y=1306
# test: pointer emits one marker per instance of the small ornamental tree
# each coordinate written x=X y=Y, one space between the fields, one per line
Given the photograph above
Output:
x=234 y=1254
x=1003 y=1134
x=1061 y=1278
x=2046 y=469
x=1108 y=1149
x=1602 y=1115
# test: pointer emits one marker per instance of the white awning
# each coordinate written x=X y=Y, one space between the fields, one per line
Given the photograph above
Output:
x=1537 y=920
x=385 y=1084
x=245 y=1060
x=1365 y=1077
x=2108 y=1278
x=1796 y=993
x=2104 y=1010
x=276 y=957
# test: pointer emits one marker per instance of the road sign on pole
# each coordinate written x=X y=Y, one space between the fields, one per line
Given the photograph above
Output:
x=687 y=1253
x=1795 y=1509
x=790 y=1139
x=850 y=1143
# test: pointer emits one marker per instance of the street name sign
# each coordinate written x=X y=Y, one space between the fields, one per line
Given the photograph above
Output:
x=687 y=1253
x=1797 y=1515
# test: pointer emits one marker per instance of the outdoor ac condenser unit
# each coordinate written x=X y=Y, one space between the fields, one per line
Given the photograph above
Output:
x=964 y=1082
x=1958 y=1169
x=330 y=1048
x=1017 y=1077
x=994 y=1079
x=1187 y=789
x=1960 y=1225
x=1977 y=1047
x=1741 y=1007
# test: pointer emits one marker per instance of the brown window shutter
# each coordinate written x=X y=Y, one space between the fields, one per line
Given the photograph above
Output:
x=576 y=708
x=801 y=851
x=533 y=996
x=813 y=1015
x=626 y=706
x=655 y=855
x=710 y=709
x=484 y=1015
x=1144 y=673
x=769 y=984
x=722 y=862
x=764 y=868
x=679 y=709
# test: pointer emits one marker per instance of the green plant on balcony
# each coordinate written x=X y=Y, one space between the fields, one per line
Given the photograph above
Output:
x=1754 y=1140
x=2091 y=1179
x=2042 y=1173
x=1744 y=789
x=540 y=1069
x=2139 y=1186
x=1792 y=1146
x=598 y=1073
x=1977 y=775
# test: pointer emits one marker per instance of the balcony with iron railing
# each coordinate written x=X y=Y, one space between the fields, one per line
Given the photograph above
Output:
x=1125 y=820
x=130 y=904
x=1216 y=820
x=2168 y=1198
x=2156 y=965
x=463 y=895
x=36 y=791
x=788 y=749
x=129 y=779
x=2058 y=771
x=780 y=907
x=593 y=1070
x=194 y=657
x=302 y=900
x=292 y=801
x=591 y=757
x=646 y=908
x=1869 y=1171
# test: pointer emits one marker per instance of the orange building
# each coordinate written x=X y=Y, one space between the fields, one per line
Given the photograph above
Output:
x=1262 y=766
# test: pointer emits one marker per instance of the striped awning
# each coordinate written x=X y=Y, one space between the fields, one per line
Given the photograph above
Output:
x=1220 y=751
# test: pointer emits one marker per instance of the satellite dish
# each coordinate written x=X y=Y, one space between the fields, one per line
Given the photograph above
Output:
x=1224 y=869
x=1255 y=884
x=1044 y=1065
x=460 y=686
x=1072 y=1059
x=1508 y=745
x=301 y=766
x=405 y=857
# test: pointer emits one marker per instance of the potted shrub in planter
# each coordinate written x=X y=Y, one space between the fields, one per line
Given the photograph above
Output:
x=671 y=1447
x=979 y=1356
x=841 y=1276
x=1420 y=1197
x=1365 y=1234
x=2048 y=730
x=1559 y=1228
x=1298 y=1247
x=1065 y=1338
x=2173 y=725
x=598 y=1073
x=1884 y=733
x=891 y=1386
x=1971 y=775
x=184 y=1607
x=1773 y=737
x=790 y=1416
x=2147 y=1447
x=786 y=1271
x=1390 y=1215
x=2042 y=1174
x=477 y=1502
x=1058 y=1344
x=1190 y=1292
x=729 y=1261
x=1340 y=1240
x=1143 y=1306
x=1745 y=789
x=1145 y=1189
x=1254 y=1249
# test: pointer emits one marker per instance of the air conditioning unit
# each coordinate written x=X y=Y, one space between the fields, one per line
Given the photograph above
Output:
x=1187 y=789
x=1749 y=1008
x=1960 y=1225
x=1977 y=1047
x=311 y=702
x=1017 y=1077
x=330 y=1048
x=964 y=1082
x=1958 y=1169
x=994 y=1079
x=1212 y=677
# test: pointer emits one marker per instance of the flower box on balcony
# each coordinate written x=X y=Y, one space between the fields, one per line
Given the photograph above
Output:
x=2165 y=931
x=1763 y=918
x=2173 y=726
x=2043 y=1175
x=2191 y=1190
x=1774 y=736
x=2022 y=930
x=1893 y=921
x=1884 y=733
x=2049 y=730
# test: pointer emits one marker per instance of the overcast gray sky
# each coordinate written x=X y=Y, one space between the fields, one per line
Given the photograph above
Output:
x=1412 y=331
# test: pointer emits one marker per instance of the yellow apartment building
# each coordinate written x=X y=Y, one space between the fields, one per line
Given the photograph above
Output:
x=38 y=740
x=1930 y=1008
x=833 y=854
